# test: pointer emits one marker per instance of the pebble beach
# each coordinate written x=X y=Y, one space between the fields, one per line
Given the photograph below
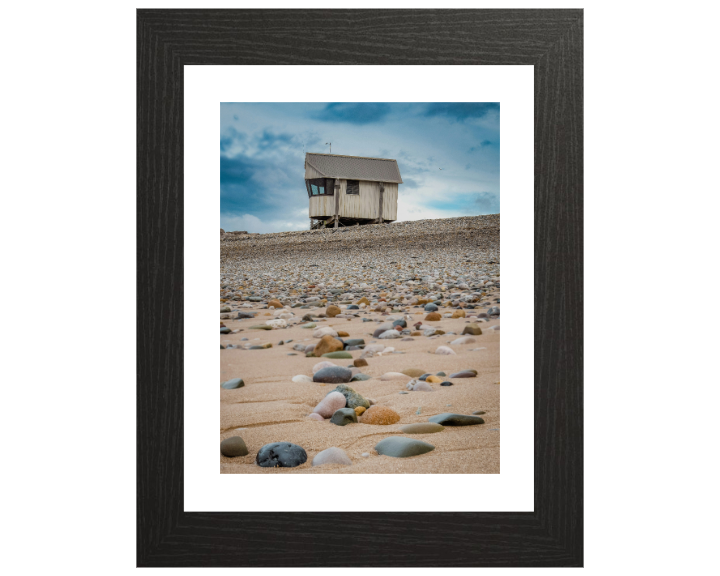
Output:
x=368 y=349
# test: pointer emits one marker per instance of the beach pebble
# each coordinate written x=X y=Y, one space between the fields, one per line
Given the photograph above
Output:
x=344 y=416
x=418 y=386
x=445 y=350
x=422 y=428
x=233 y=384
x=478 y=412
x=390 y=334
x=331 y=456
x=463 y=340
x=360 y=377
x=401 y=447
x=339 y=354
x=326 y=345
x=277 y=323
x=413 y=372
x=332 y=375
x=374 y=348
x=225 y=330
x=281 y=455
x=464 y=374
x=353 y=399
x=432 y=379
x=360 y=362
x=315 y=416
x=359 y=410
x=324 y=364
x=233 y=446
x=432 y=307
x=393 y=376
x=332 y=311
x=330 y=404
x=472 y=329
x=446 y=383
x=449 y=419
x=365 y=454
x=325 y=331
x=380 y=416
x=225 y=309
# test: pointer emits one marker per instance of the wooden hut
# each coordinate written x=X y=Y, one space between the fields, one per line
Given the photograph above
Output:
x=348 y=190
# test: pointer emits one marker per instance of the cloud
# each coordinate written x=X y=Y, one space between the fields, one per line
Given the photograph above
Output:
x=461 y=111
x=354 y=113
x=231 y=138
x=487 y=203
x=483 y=144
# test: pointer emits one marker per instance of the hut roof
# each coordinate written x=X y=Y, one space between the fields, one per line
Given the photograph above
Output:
x=355 y=167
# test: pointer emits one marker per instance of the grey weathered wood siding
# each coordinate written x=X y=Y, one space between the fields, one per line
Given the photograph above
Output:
x=363 y=205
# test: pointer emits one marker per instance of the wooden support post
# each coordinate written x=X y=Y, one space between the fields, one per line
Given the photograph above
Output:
x=380 y=211
x=337 y=202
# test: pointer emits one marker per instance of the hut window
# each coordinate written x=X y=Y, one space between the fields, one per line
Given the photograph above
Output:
x=320 y=186
x=353 y=187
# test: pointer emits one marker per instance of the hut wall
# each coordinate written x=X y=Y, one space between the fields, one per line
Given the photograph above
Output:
x=363 y=205
x=390 y=199
x=321 y=206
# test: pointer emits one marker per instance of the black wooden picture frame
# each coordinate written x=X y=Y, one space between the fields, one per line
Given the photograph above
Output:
x=551 y=41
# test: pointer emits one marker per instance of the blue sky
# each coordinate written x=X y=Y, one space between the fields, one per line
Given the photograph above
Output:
x=448 y=155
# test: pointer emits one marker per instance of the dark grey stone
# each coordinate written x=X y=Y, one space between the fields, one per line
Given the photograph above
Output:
x=332 y=375
x=281 y=455
x=344 y=416
x=431 y=307
x=449 y=419
x=464 y=374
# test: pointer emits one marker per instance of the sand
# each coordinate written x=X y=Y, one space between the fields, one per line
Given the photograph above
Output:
x=272 y=408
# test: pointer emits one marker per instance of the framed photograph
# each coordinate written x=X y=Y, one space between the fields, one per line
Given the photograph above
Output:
x=364 y=159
